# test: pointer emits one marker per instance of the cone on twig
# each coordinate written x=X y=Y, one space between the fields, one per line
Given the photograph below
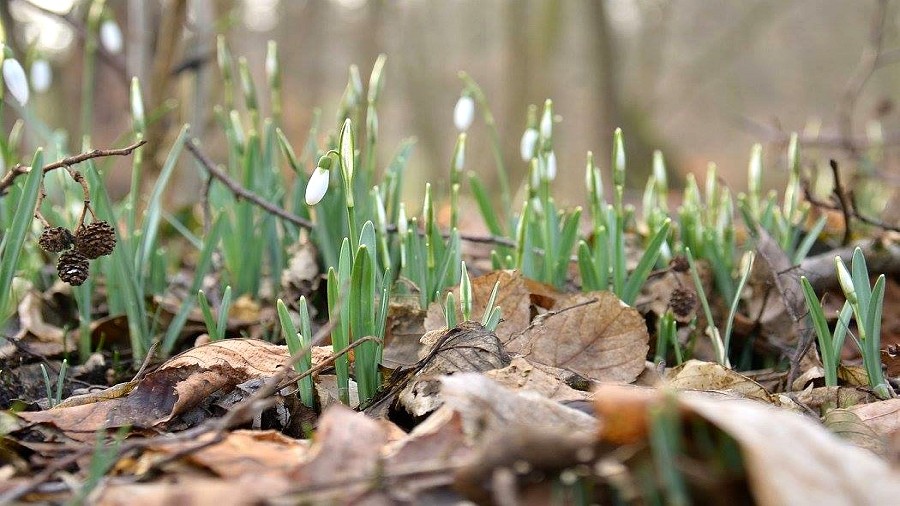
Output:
x=73 y=267
x=56 y=239
x=95 y=239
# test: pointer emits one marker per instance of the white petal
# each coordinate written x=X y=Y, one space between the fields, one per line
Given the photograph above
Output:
x=464 y=113
x=14 y=76
x=317 y=186
x=550 y=167
x=526 y=147
x=546 y=124
x=111 y=36
x=41 y=75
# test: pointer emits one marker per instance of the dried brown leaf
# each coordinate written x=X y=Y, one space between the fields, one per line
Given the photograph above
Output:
x=551 y=382
x=697 y=375
x=597 y=336
x=849 y=426
x=514 y=298
x=789 y=458
x=882 y=416
x=467 y=348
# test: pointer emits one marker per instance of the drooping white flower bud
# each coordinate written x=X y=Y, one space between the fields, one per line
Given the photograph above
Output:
x=526 y=147
x=111 y=36
x=547 y=120
x=464 y=113
x=845 y=280
x=550 y=166
x=317 y=186
x=41 y=75
x=14 y=77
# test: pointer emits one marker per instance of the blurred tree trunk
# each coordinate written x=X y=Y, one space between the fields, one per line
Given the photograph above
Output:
x=607 y=69
x=518 y=89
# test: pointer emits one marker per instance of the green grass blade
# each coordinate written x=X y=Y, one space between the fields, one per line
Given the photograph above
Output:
x=645 y=265
x=14 y=238
x=208 y=317
x=154 y=205
x=820 y=324
x=204 y=263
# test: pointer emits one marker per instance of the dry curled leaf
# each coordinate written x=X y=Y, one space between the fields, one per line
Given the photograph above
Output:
x=597 y=336
x=788 y=458
x=467 y=348
x=697 y=375
x=849 y=426
x=181 y=384
x=551 y=382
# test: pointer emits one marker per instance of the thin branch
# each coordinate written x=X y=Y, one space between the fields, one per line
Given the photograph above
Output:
x=9 y=178
x=193 y=145
x=844 y=201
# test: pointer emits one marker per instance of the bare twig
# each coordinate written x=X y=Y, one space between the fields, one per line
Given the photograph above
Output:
x=847 y=206
x=9 y=178
x=842 y=198
x=234 y=187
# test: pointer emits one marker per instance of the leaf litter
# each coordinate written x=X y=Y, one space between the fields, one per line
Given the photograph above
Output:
x=540 y=406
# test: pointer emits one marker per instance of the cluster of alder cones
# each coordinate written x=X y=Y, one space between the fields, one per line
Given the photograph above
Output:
x=89 y=241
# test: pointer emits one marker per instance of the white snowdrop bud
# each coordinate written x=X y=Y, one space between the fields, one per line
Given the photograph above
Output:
x=550 y=166
x=317 y=186
x=41 y=75
x=111 y=36
x=526 y=147
x=547 y=120
x=14 y=76
x=845 y=280
x=464 y=113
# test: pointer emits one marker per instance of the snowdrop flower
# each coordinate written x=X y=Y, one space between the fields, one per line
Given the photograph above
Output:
x=41 y=75
x=111 y=36
x=317 y=186
x=529 y=140
x=14 y=76
x=459 y=158
x=550 y=166
x=547 y=120
x=845 y=280
x=464 y=113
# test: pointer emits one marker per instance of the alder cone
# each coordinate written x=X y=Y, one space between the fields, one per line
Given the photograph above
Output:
x=73 y=267
x=56 y=239
x=96 y=239
x=683 y=302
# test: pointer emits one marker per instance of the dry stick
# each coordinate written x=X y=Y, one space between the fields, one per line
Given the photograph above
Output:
x=854 y=210
x=243 y=193
x=842 y=198
x=9 y=178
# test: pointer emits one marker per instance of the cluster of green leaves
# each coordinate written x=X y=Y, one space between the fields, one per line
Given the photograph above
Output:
x=865 y=304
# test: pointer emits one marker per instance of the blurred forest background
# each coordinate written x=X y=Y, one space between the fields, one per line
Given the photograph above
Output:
x=701 y=80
